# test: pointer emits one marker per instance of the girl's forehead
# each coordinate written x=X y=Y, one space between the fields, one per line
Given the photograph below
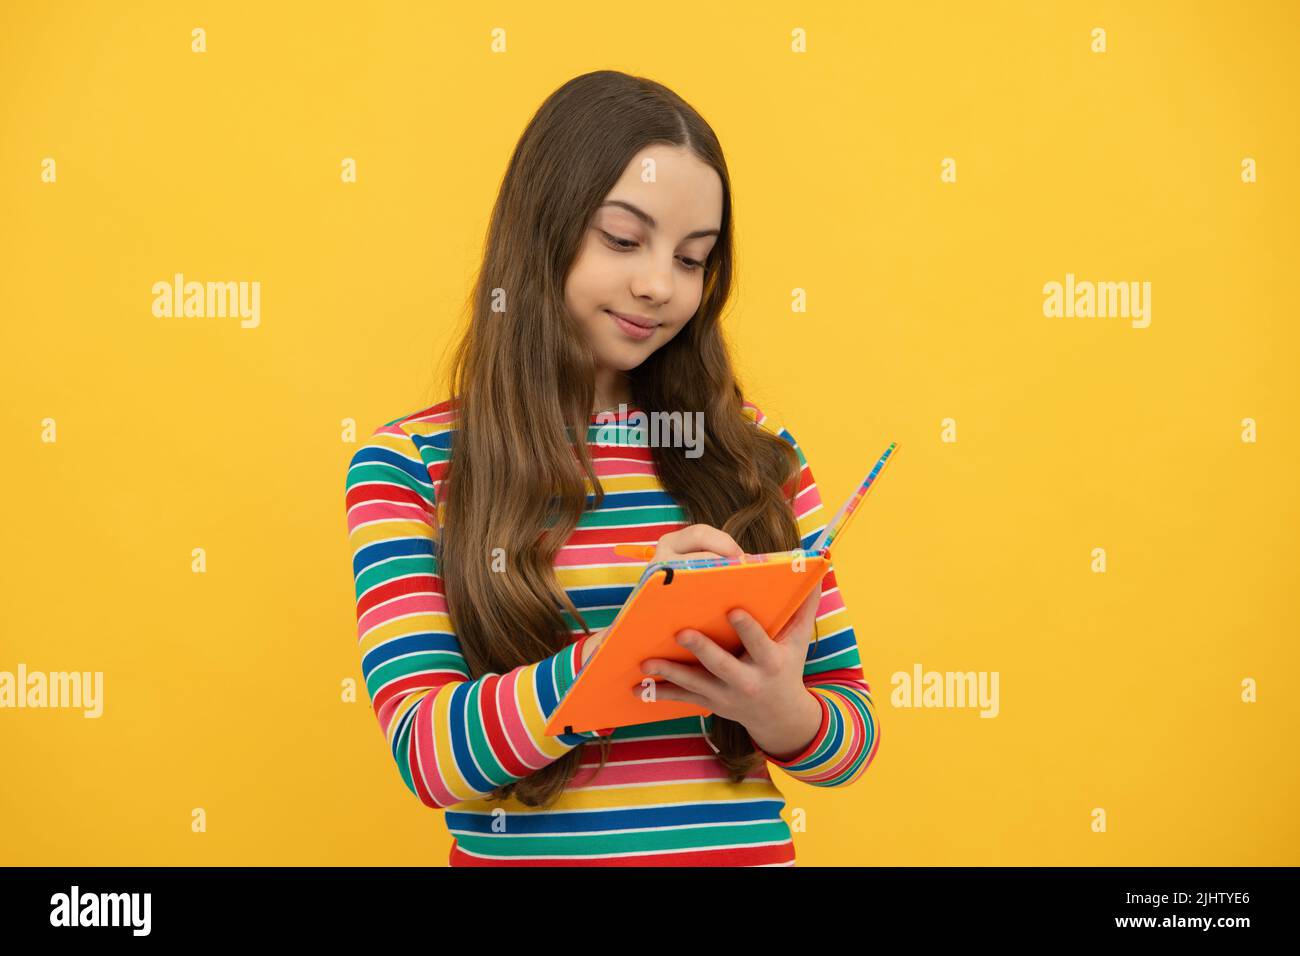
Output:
x=689 y=208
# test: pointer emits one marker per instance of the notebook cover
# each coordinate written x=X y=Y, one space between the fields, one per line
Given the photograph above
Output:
x=669 y=597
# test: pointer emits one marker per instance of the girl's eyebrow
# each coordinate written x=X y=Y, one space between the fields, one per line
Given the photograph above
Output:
x=649 y=220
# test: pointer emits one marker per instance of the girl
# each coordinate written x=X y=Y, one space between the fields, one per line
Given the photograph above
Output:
x=483 y=527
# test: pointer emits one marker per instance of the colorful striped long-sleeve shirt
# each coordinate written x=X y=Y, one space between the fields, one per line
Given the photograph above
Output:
x=663 y=798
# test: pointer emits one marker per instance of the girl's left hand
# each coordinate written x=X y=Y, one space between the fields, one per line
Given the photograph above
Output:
x=759 y=689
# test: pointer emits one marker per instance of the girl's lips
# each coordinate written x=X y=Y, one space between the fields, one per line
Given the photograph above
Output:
x=631 y=329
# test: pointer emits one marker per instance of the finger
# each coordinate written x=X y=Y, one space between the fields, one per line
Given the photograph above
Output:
x=758 y=644
x=686 y=676
x=666 y=691
x=803 y=622
x=721 y=664
x=703 y=537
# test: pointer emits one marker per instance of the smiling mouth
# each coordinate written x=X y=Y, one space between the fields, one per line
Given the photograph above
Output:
x=634 y=319
x=633 y=328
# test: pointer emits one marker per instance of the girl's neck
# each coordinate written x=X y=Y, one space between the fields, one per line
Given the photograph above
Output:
x=612 y=390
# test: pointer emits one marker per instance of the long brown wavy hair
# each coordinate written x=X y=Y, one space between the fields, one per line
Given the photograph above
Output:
x=523 y=386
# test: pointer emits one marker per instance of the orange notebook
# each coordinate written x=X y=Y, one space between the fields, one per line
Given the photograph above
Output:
x=695 y=593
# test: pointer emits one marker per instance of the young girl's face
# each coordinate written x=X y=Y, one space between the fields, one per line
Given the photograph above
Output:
x=643 y=256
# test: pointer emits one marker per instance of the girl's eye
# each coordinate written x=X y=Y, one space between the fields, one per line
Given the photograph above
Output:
x=617 y=242
x=691 y=265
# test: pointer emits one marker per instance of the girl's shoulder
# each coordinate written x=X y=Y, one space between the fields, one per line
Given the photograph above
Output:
x=755 y=414
x=430 y=427
x=434 y=424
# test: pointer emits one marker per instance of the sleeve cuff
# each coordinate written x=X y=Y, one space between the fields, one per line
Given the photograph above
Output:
x=569 y=666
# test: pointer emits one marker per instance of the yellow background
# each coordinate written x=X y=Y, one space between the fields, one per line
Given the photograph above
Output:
x=222 y=690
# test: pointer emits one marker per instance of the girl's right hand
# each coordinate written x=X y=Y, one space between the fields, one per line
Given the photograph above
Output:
x=693 y=541
x=696 y=541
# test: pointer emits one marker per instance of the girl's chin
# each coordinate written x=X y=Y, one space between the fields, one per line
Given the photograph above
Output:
x=622 y=356
x=623 y=359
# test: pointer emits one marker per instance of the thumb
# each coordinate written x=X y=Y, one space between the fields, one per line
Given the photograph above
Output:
x=802 y=625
